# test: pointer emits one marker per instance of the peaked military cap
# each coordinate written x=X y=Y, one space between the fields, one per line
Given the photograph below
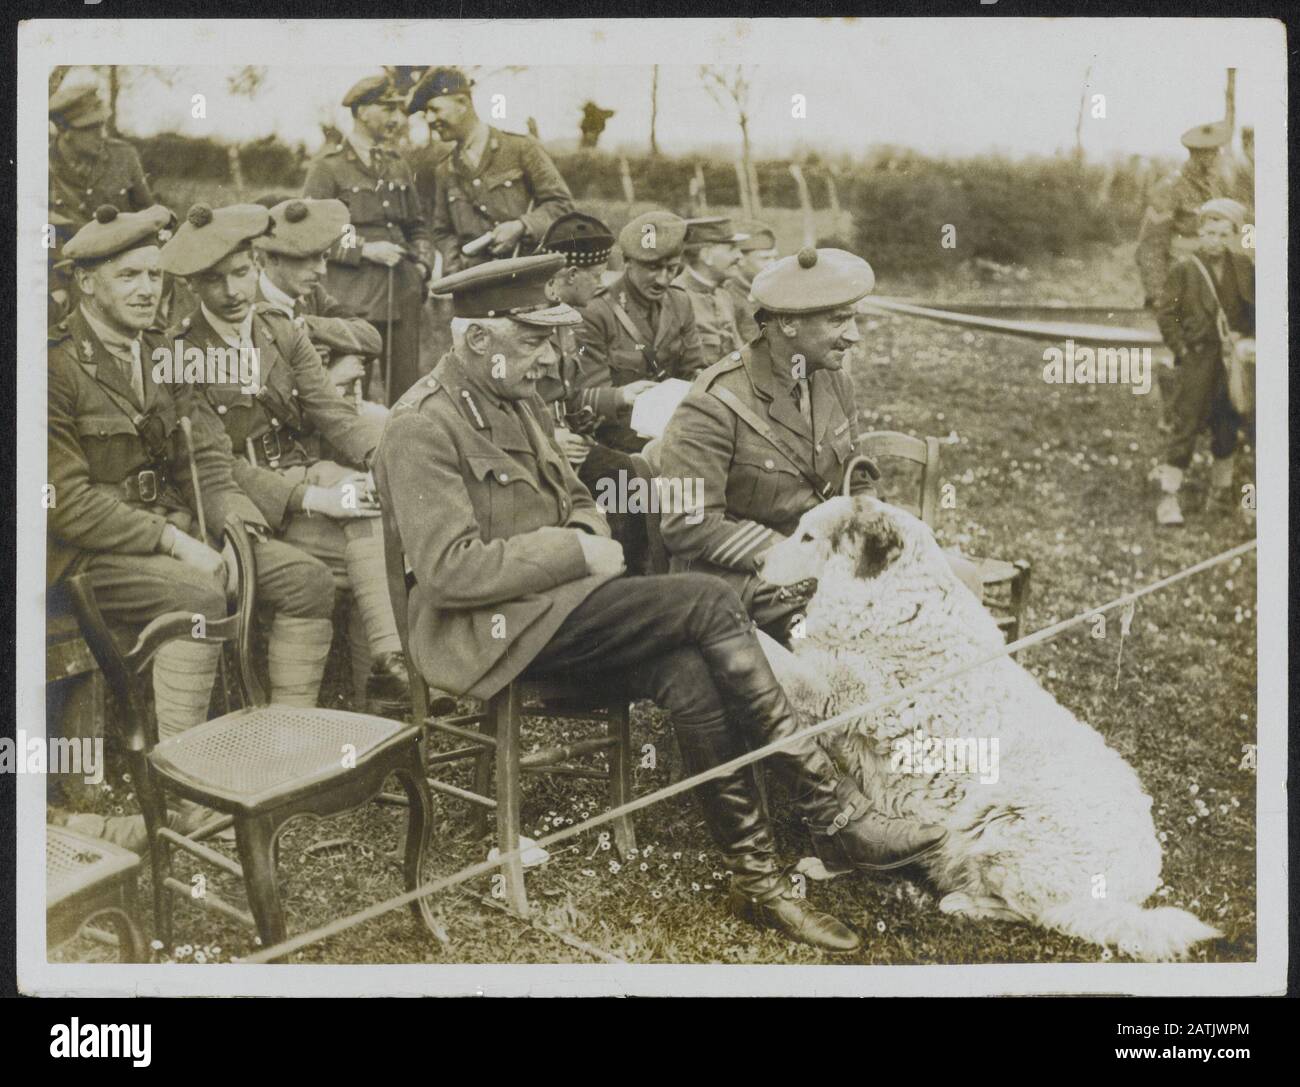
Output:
x=652 y=236
x=77 y=106
x=208 y=236
x=372 y=89
x=582 y=240
x=1202 y=137
x=758 y=235
x=304 y=228
x=812 y=280
x=434 y=84
x=713 y=230
x=112 y=232
x=514 y=287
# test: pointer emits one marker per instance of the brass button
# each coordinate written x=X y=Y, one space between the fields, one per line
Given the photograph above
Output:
x=503 y=477
x=476 y=181
x=769 y=464
x=221 y=409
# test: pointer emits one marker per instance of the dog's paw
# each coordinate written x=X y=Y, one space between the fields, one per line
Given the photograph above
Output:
x=813 y=868
x=981 y=908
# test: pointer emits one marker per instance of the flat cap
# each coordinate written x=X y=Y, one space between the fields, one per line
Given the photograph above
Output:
x=77 y=106
x=514 y=287
x=652 y=236
x=714 y=230
x=582 y=240
x=812 y=280
x=372 y=89
x=435 y=83
x=1202 y=137
x=1223 y=208
x=208 y=236
x=758 y=235
x=303 y=228
x=112 y=232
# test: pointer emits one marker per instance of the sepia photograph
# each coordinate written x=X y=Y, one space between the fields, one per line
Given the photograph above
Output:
x=536 y=506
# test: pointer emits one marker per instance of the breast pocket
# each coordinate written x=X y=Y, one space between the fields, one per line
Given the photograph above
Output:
x=500 y=495
x=111 y=444
x=465 y=216
x=627 y=365
x=763 y=486
x=505 y=195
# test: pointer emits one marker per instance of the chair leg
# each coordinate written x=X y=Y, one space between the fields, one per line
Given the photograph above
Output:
x=478 y=818
x=419 y=821
x=154 y=808
x=255 y=839
x=620 y=776
x=506 y=712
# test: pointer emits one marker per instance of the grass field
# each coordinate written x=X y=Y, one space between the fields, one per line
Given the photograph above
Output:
x=1056 y=474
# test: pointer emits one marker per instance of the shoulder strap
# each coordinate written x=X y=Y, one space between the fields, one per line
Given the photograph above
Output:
x=647 y=349
x=819 y=485
x=1221 y=318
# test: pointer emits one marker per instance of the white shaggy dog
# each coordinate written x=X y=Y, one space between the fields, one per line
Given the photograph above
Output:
x=1046 y=822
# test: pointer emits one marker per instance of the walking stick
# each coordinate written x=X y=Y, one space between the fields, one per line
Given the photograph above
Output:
x=187 y=432
x=388 y=343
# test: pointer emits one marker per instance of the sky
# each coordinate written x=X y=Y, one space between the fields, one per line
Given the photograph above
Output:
x=983 y=85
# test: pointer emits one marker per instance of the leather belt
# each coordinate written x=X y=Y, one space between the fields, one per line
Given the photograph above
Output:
x=145 y=485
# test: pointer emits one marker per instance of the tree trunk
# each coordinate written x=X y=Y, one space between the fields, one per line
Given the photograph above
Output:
x=114 y=88
x=654 y=108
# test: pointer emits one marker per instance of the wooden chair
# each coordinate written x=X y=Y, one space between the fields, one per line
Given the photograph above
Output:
x=492 y=737
x=88 y=882
x=260 y=766
x=1006 y=584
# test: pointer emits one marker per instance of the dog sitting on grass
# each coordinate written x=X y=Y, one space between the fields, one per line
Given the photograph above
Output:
x=1046 y=822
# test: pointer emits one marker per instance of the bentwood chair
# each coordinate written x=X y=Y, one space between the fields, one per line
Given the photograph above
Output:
x=90 y=883
x=1005 y=584
x=491 y=738
x=259 y=767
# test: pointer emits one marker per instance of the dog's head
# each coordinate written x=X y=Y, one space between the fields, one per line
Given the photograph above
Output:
x=873 y=556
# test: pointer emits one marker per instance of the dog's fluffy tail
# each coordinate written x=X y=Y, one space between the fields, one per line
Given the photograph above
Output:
x=1148 y=935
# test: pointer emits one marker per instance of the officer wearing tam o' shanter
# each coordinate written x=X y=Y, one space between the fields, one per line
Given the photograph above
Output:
x=513 y=569
x=277 y=423
x=391 y=246
x=493 y=183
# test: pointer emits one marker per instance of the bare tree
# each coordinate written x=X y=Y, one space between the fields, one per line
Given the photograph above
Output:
x=731 y=88
x=122 y=77
x=654 y=108
x=1078 y=122
x=248 y=81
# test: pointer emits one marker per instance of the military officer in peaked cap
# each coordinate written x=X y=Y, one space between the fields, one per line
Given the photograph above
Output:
x=711 y=254
x=757 y=251
x=380 y=269
x=514 y=569
x=498 y=188
x=276 y=418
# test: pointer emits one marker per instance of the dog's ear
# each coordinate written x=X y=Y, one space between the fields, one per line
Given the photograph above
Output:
x=871 y=538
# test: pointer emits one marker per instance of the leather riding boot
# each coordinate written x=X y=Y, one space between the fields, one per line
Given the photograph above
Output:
x=760 y=893
x=846 y=832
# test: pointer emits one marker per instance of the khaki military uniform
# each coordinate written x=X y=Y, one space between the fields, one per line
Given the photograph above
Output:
x=737 y=288
x=657 y=345
x=753 y=491
x=1169 y=225
x=715 y=316
x=471 y=201
x=114 y=176
x=485 y=506
x=383 y=205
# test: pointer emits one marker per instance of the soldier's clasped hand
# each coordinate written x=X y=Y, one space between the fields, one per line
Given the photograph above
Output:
x=603 y=555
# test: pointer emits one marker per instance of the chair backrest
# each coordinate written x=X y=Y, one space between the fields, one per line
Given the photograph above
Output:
x=925 y=452
x=123 y=670
x=399 y=591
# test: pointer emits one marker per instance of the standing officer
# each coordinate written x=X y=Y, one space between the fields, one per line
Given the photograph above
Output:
x=757 y=251
x=493 y=183
x=712 y=252
x=379 y=273
x=638 y=330
x=277 y=416
x=513 y=569
x=124 y=510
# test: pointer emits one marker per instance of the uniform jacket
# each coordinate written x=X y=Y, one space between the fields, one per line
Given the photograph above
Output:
x=114 y=176
x=513 y=171
x=1187 y=309
x=752 y=494
x=738 y=289
x=610 y=357
x=1169 y=224
x=561 y=390
x=384 y=205
x=424 y=163
x=715 y=316
x=487 y=528
x=295 y=406
x=330 y=324
x=96 y=454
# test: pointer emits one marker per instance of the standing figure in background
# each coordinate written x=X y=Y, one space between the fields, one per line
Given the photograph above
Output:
x=757 y=251
x=380 y=269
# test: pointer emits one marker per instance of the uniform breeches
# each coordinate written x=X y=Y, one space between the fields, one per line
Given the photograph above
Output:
x=629 y=529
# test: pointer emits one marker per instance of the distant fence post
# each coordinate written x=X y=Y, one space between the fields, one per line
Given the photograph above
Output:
x=833 y=195
x=236 y=167
x=625 y=174
x=742 y=185
x=699 y=197
x=755 y=200
x=805 y=205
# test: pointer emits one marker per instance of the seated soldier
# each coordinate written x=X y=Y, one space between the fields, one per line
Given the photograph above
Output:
x=769 y=431
x=277 y=415
x=125 y=512
x=711 y=254
x=513 y=569
x=757 y=251
x=585 y=243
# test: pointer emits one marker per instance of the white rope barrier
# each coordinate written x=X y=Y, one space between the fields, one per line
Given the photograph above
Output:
x=333 y=928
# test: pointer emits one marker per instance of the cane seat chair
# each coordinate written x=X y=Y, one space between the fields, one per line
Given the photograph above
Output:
x=491 y=738
x=90 y=882
x=259 y=767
